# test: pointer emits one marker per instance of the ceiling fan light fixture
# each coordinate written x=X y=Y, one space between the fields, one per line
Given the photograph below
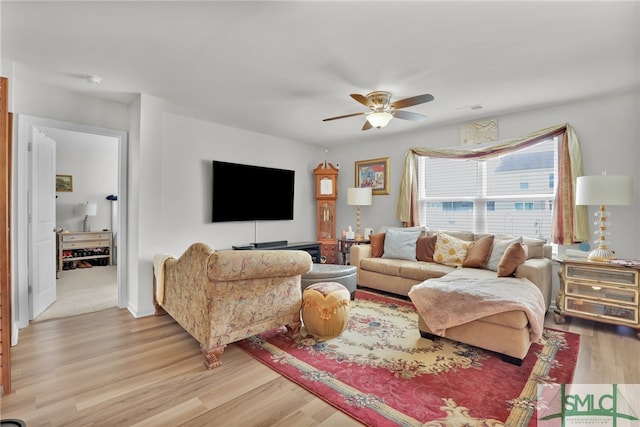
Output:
x=379 y=119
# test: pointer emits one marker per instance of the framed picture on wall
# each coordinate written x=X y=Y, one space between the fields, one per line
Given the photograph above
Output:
x=64 y=183
x=373 y=173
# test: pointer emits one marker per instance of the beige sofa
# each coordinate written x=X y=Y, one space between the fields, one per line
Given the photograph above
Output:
x=220 y=297
x=505 y=333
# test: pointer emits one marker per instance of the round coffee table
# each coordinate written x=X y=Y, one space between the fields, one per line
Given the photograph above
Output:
x=343 y=274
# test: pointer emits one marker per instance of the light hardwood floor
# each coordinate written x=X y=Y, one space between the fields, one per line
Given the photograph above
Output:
x=110 y=369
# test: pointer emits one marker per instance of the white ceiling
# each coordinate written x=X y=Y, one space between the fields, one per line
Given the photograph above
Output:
x=279 y=68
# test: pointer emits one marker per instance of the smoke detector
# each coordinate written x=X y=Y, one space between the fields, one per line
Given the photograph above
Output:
x=93 y=79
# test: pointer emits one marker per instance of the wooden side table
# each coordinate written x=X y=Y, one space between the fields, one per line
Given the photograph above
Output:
x=344 y=245
x=604 y=292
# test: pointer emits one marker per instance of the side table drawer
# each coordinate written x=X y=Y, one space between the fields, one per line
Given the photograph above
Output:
x=608 y=275
x=85 y=237
x=85 y=244
x=614 y=294
x=600 y=309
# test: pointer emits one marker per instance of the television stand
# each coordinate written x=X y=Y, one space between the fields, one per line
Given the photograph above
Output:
x=260 y=245
x=313 y=248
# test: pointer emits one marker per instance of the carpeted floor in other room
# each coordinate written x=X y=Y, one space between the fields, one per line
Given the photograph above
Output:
x=83 y=290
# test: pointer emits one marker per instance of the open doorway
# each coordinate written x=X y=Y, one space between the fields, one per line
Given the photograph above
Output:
x=29 y=126
x=86 y=223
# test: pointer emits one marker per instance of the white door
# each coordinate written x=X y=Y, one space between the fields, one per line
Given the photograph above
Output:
x=42 y=212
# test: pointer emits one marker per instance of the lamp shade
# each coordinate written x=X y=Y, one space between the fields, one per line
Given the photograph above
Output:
x=90 y=209
x=360 y=196
x=604 y=190
x=379 y=120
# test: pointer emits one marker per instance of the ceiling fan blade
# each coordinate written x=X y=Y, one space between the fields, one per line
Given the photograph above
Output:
x=414 y=100
x=362 y=99
x=366 y=125
x=407 y=115
x=342 y=117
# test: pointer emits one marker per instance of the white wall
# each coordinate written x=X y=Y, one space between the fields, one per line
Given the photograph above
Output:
x=170 y=193
x=93 y=165
x=189 y=146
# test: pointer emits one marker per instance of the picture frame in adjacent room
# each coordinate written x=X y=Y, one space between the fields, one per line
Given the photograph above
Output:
x=373 y=173
x=64 y=183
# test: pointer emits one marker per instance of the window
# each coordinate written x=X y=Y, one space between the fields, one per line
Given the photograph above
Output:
x=510 y=194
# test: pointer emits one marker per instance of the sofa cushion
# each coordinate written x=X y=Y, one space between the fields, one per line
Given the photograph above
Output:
x=498 y=250
x=390 y=267
x=401 y=244
x=450 y=250
x=515 y=255
x=478 y=252
x=462 y=235
x=377 y=244
x=535 y=247
x=424 y=270
x=425 y=247
x=415 y=270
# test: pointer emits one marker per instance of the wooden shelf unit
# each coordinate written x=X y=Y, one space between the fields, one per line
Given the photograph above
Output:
x=77 y=240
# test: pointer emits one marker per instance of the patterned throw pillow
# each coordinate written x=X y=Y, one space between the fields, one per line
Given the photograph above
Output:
x=377 y=244
x=498 y=250
x=478 y=252
x=515 y=255
x=450 y=250
x=425 y=247
x=401 y=244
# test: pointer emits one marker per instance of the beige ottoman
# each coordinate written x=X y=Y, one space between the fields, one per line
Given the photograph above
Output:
x=326 y=308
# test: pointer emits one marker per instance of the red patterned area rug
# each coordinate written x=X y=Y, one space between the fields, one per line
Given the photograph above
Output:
x=382 y=373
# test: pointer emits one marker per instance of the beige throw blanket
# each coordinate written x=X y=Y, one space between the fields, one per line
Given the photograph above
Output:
x=447 y=302
x=158 y=272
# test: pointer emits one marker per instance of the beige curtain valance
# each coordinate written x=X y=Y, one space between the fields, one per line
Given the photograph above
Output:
x=570 y=221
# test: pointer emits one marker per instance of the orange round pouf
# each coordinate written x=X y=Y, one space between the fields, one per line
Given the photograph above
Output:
x=326 y=308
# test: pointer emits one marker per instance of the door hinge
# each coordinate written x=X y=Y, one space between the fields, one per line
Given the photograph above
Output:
x=30 y=146
x=30 y=289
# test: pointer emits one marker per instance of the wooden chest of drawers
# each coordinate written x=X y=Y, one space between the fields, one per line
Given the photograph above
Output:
x=604 y=292
x=89 y=240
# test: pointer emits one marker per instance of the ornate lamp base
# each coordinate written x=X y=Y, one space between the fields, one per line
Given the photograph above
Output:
x=602 y=254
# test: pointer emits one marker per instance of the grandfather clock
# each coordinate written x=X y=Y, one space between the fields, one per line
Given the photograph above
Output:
x=326 y=194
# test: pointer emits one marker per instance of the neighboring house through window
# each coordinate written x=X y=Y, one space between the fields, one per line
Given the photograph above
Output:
x=511 y=194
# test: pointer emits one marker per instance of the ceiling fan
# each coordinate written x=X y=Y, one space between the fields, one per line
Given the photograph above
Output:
x=383 y=110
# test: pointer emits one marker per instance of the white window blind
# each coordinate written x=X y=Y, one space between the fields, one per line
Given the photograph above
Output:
x=511 y=194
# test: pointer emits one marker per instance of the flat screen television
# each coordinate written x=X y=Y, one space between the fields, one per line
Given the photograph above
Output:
x=250 y=193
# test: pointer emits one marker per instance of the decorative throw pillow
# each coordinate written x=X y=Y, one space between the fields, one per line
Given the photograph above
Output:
x=401 y=244
x=498 y=249
x=377 y=244
x=478 y=252
x=425 y=247
x=450 y=250
x=515 y=255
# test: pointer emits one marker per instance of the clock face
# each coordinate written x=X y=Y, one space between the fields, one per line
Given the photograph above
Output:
x=326 y=187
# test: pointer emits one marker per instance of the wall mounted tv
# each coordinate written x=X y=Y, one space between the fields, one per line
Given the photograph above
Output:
x=251 y=193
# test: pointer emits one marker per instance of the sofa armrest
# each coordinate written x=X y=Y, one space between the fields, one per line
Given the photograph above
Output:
x=231 y=265
x=359 y=252
x=185 y=290
x=539 y=272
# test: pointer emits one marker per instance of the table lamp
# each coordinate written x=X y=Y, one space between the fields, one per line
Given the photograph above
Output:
x=359 y=197
x=603 y=190
x=87 y=210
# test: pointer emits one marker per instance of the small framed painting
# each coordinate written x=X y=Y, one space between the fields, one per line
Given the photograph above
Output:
x=64 y=183
x=373 y=173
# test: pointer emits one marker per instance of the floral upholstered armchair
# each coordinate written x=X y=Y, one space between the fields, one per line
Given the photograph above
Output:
x=220 y=297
